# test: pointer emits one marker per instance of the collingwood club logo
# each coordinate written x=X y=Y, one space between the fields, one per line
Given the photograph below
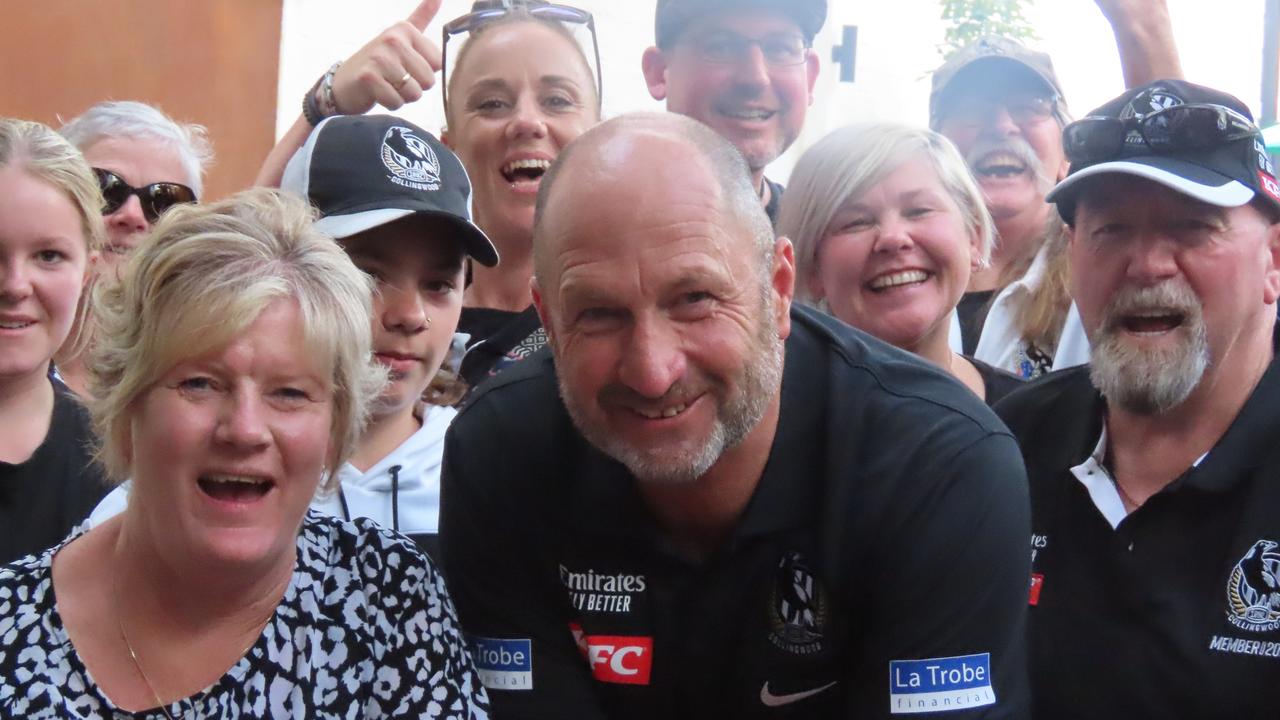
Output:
x=410 y=159
x=1253 y=589
x=1147 y=102
x=798 y=607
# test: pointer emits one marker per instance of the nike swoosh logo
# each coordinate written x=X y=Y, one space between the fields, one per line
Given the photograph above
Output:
x=771 y=700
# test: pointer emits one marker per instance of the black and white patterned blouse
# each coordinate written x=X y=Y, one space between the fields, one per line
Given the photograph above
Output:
x=365 y=630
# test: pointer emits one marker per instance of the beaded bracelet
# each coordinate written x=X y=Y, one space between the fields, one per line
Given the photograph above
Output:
x=318 y=103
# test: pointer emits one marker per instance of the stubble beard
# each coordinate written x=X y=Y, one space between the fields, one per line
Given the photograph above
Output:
x=739 y=410
x=1143 y=381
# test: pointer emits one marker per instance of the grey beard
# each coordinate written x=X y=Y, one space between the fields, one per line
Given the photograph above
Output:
x=760 y=382
x=1145 y=382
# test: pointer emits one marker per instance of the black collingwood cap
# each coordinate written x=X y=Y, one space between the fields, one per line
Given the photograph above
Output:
x=673 y=16
x=365 y=171
x=1228 y=174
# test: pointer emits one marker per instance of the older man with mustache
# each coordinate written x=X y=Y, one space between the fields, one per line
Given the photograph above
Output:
x=1155 y=506
x=1001 y=104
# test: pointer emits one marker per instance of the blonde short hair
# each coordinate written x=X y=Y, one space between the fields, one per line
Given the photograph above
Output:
x=45 y=155
x=850 y=161
x=201 y=278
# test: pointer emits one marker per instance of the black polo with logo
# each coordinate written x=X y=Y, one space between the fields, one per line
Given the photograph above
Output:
x=878 y=569
x=1175 y=612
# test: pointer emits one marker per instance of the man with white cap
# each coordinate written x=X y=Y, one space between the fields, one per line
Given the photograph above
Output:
x=1155 y=506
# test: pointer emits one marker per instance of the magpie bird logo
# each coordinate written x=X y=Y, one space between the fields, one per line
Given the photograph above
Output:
x=799 y=607
x=1142 y=105
x=1150 y=101
x=410 y=159
x=1253 y=589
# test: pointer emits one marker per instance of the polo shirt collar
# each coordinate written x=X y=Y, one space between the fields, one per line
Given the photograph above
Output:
x=792 y=481
x=1249 y=439
x=1244 y=446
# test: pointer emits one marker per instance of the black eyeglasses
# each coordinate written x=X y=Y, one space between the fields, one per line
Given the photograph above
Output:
x=541 y=10
x=1173 y=129
x=727 y=48
x=154 y=198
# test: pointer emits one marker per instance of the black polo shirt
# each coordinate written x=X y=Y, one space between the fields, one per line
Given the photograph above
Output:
x=1176 y=611
x=878 y=567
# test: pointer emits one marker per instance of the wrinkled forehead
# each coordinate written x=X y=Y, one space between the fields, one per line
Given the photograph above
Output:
x=520 y=48
x=138 y=159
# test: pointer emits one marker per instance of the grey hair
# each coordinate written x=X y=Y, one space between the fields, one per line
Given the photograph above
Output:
x=850 y=161
x=130 y=119
x=738 y=196
x=203 y=276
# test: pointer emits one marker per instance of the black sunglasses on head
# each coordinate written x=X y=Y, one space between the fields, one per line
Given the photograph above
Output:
x=154 y=198
x=537 y=8
x=1174 y=129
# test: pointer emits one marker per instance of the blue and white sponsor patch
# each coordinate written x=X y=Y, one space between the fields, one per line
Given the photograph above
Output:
x=503 y=664
x=940 y=684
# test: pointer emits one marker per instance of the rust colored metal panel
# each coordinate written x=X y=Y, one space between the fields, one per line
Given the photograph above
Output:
x=213 y=62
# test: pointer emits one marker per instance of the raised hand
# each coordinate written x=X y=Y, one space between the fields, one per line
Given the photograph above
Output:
x=392 y=69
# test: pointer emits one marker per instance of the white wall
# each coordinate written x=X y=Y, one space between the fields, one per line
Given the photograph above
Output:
x=1220 y=42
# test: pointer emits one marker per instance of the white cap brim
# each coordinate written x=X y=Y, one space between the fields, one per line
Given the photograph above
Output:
x=1231 y=193
x=344 y=226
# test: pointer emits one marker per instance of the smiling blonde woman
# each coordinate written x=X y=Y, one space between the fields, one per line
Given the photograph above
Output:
x=231 y=376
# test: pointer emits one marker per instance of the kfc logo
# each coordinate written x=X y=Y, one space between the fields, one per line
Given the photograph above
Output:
x=1037 y=582
x=622 y=659
x=1269 y=185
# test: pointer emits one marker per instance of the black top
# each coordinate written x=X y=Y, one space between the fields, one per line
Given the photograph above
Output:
x=775 y=200
x=499 y=338
x=56 y=488
x=972 y=313
x=365 y=629
x=997 y=382
x=1175 y=612
x=885 y=534
x=481 y=323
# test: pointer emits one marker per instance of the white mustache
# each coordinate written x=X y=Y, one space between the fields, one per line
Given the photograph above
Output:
x=1174 y=296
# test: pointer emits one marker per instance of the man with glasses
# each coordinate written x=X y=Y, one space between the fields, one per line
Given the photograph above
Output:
x=1002 y=105
x=1155 y=504
x=745 y=68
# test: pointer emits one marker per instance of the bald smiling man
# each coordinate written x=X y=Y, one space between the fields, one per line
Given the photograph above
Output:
x=704 y=502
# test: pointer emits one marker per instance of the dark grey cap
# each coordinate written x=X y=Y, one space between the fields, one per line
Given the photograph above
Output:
x=673 y=16
x=989 y=51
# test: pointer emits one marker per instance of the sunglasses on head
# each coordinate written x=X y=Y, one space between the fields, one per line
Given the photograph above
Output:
x=1174 y=129
x=536 y=8
x=154 y=198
